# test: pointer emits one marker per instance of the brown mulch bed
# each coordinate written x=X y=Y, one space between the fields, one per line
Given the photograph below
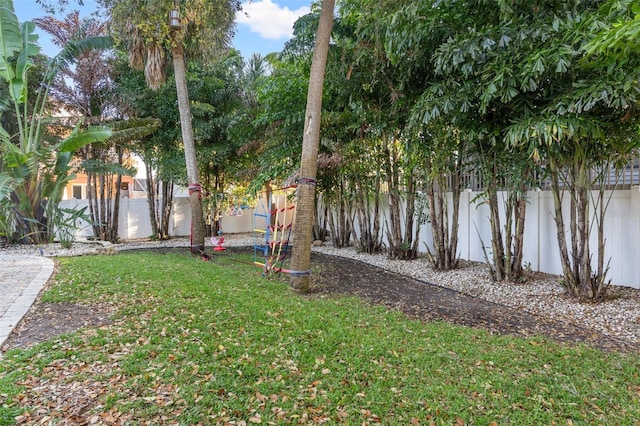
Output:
x=427 y=302
x=341 y=276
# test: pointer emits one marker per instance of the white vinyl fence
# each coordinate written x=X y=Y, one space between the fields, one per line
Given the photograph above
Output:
x=134 y=223
x=622 y=230
x=622 y=233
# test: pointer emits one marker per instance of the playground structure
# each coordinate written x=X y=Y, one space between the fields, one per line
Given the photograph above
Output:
x=220 y=206
x=273 y=220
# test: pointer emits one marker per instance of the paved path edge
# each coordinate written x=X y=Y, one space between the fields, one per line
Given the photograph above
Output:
x=43 y=269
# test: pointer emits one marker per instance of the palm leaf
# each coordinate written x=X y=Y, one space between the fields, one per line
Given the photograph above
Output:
x=4 y=135
x=132 y=129
x=62 y=163
x=16 y=163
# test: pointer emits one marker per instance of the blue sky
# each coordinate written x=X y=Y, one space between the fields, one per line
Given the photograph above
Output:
x=262 y=27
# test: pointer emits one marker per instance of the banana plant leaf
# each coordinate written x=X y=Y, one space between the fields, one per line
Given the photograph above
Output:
x=10 y=39
x=78 y=139
x=7 y=185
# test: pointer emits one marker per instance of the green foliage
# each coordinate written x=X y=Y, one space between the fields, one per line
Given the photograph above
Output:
x=216 y=105
x=208 y=342
x=160 y=148
x=66 y=225
x=619 y=39
x=282 y=100
x=511 y=77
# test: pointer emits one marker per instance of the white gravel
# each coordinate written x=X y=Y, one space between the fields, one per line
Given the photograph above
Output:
x=541 y=294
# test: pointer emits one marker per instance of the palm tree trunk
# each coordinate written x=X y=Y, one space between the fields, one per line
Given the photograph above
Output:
x=197 y=219
x=456 y=185
x=301 y=258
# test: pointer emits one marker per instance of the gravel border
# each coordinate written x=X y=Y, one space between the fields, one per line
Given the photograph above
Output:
x=541 y=294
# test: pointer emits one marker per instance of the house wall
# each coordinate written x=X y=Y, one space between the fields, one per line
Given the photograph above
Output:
x=81 y=179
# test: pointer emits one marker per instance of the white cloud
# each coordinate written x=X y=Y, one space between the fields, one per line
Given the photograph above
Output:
x=269 y=19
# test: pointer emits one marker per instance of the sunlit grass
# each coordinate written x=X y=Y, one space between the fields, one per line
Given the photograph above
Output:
x=216 y=342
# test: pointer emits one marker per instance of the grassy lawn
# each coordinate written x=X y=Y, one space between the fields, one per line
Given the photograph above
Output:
x=217 y=343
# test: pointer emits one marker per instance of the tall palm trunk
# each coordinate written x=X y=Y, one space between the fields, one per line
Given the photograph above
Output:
x=301 y=258
x=197 y=219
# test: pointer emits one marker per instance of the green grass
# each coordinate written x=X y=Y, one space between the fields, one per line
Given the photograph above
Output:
x=215 y=343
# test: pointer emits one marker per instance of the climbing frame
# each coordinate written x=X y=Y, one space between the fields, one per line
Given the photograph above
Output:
x=273 y=221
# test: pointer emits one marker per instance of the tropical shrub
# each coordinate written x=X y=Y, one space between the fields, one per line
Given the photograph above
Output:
x=33 y=172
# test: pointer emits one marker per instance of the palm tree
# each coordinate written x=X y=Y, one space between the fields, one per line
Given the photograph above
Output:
x=194 y=27
x=255 y=69
x=80 y=89
x=301 y=258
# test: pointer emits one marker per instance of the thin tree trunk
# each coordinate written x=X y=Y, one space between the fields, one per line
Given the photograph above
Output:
x=435 y=256
x=91 y=200
x=599 y=285
x=445 y=240
x=151 y=200
x=397 y=249
x=497 y=243
x=165 y=209
x=520 y=207
x=101 y=206
x=368 y=213
x=363 y=218
x=375 y=238
x=567 y=270
x=455 y=218
x=444 y=221
x=198 y=229
x=115 y=216
x=340 y=218
x=573 y=226
x=301 y=258
x=410 y=211
x=584 y=255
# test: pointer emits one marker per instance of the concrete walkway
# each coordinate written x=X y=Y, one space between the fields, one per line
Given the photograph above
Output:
x=21 y=280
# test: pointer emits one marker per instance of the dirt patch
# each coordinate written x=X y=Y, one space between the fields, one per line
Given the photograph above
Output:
x=45 y=321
